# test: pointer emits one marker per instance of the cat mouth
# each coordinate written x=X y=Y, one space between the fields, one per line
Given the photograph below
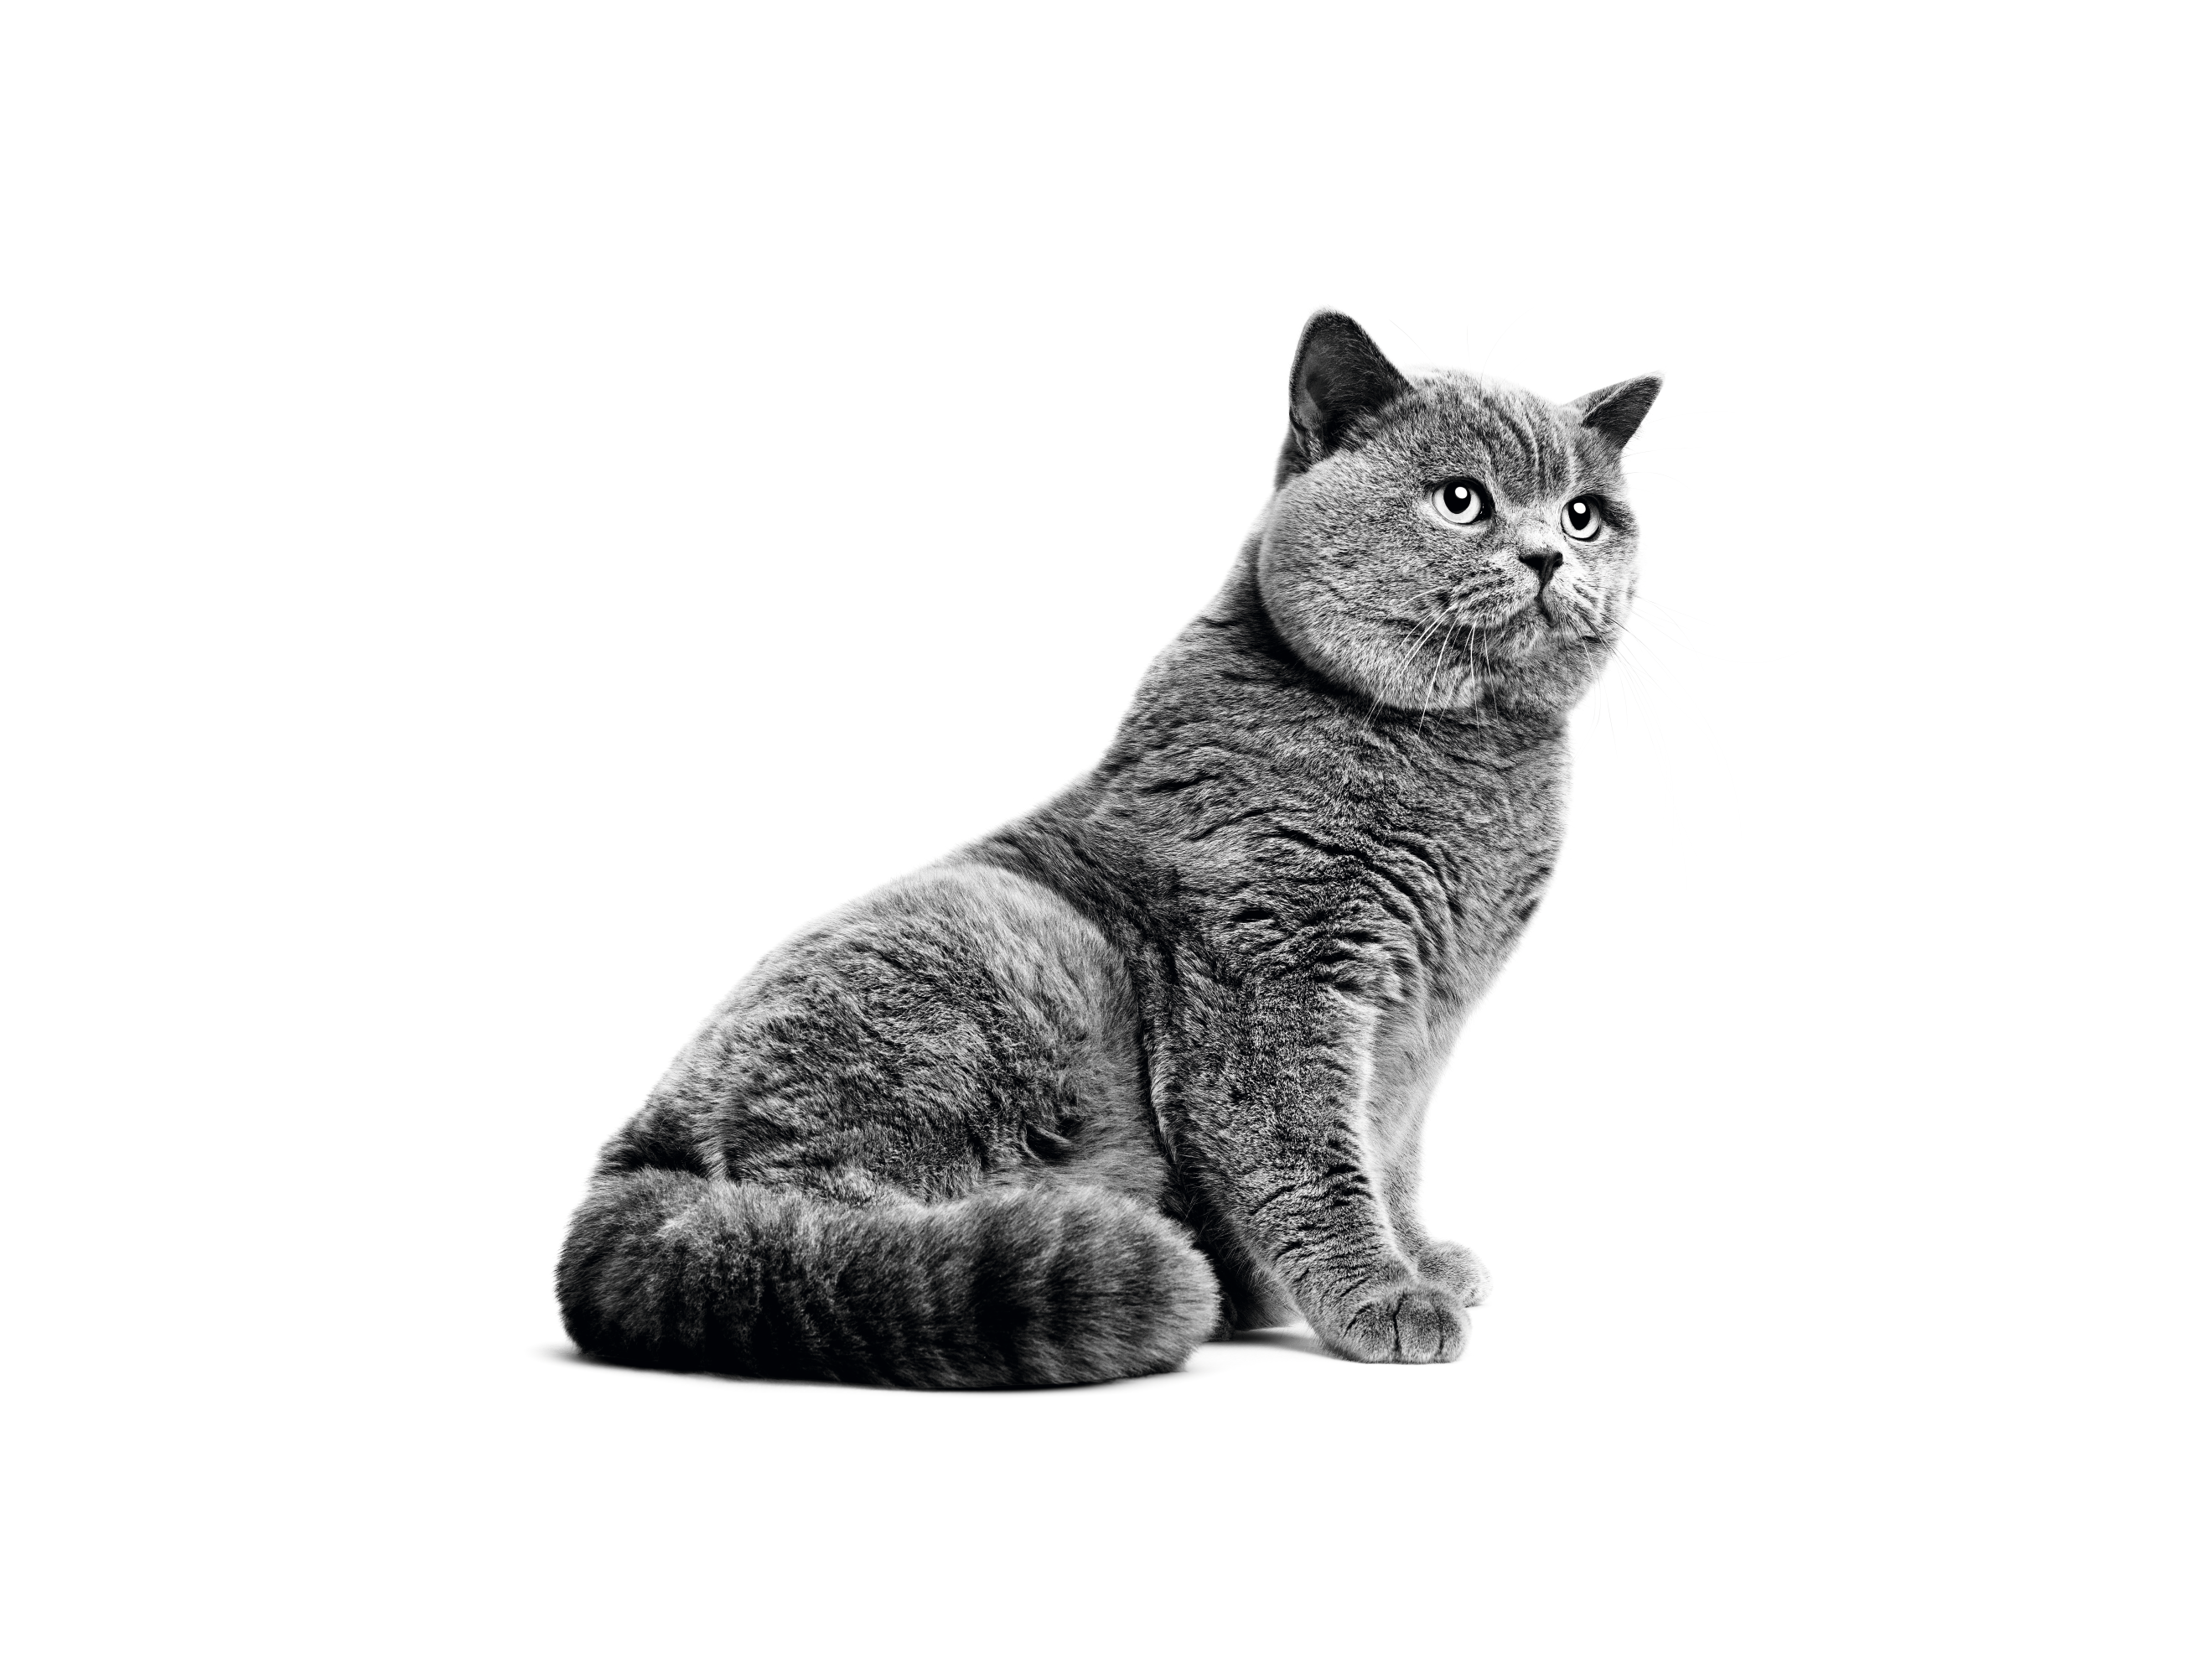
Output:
x=1550 y=620
x=1536 y=628
x=1539 y=617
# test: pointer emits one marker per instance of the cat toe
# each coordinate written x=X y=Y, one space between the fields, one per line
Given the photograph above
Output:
x=1415 y=1325
x=1443 y=1264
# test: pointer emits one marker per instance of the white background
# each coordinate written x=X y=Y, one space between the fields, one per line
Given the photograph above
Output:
x=508 y=511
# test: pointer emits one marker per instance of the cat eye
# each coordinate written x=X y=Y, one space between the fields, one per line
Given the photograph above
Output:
x=1461 y=500
x=1579 y=518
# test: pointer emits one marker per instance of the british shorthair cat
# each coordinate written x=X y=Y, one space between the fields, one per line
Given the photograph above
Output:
x=1150 y=1064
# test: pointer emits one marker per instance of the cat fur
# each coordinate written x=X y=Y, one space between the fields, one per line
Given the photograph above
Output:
x=1150 y=1064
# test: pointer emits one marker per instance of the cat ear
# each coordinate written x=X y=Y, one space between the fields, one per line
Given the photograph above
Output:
x=1614 y=412
x=1340 y=374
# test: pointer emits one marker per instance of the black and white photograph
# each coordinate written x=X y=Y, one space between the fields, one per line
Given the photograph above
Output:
x=1293 y=830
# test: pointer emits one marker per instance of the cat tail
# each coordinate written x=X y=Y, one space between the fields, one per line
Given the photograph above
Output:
x=1003 y=1287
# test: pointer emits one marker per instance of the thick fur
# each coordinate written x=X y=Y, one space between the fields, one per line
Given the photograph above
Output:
x=1003 y=1287
x=1151 y=1062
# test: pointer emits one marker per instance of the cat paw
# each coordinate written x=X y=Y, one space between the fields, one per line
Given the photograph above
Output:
x=1443 y=1264
x=1414 y=1324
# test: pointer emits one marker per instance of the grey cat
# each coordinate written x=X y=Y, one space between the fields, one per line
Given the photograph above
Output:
x=1150 y=1064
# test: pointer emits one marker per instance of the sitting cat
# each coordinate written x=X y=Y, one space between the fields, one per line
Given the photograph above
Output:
x=1150 y=1064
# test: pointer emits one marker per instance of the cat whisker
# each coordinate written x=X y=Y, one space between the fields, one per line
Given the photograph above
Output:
x=1420 y=645
x=1443 y=645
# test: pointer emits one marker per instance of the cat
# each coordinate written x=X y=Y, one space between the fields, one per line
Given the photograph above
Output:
x=1149 y=1065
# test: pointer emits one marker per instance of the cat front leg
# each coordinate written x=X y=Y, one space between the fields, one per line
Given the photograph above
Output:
x=1438 y=1260
x=1275 y=1077
x=1456 y=1267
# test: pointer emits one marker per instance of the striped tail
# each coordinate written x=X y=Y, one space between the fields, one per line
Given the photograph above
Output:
x=1033 y=1286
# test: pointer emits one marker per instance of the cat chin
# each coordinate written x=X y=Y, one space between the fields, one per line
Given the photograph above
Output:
x=1554 y=680
x=1529 y=637
x=1546 y=669
x=1525 y=661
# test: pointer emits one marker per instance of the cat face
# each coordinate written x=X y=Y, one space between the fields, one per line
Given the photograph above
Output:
x=1439 y=540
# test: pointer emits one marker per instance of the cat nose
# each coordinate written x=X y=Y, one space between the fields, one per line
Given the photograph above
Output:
x=1543 y=565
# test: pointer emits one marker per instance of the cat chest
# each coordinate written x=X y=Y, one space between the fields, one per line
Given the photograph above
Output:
x=1389 y=917
x=1465 y=863
x=1487 y=891
x=1395 y=887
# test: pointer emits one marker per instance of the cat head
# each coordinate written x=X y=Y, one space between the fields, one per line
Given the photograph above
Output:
x=1437 y=540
